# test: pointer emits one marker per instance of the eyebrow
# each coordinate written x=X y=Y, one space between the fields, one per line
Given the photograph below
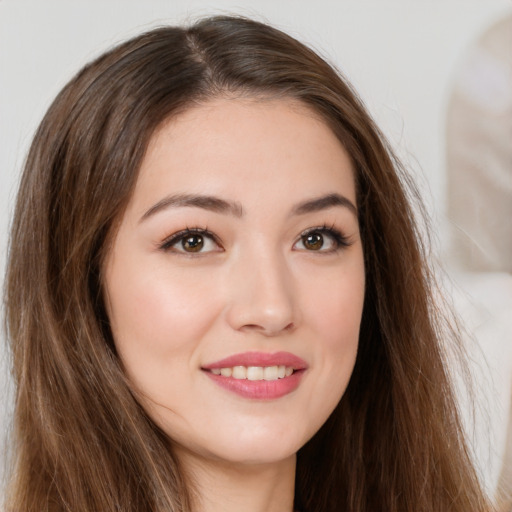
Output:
x=211 y=203
x=324 y=202
x=218 y=205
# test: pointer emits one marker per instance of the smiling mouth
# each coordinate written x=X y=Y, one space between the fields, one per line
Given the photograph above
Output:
x=258 y=375
x=254 y=373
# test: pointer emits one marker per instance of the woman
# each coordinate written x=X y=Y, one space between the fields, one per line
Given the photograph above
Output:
x=216 y=296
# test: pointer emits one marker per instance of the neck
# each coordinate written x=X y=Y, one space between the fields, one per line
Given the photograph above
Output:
x=230 y=487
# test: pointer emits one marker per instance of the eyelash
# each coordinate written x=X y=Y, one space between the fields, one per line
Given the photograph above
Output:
x=340 y=241
x=172 y=240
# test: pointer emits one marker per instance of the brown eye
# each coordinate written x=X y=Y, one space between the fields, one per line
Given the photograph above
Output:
x=313 y=241
x=323 y=240
x=192 y=243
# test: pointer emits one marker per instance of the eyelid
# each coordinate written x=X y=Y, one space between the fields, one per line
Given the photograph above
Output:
x=169 y=242
x=340 y=240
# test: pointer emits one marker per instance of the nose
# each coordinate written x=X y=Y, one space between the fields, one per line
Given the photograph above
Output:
x=262 y=295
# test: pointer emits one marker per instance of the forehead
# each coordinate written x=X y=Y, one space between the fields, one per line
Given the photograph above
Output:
x=230 y=145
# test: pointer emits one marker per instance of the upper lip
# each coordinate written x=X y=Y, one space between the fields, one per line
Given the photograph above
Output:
x=259 y=359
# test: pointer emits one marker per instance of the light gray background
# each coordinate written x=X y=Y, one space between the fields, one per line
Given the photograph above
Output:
x=400 y=55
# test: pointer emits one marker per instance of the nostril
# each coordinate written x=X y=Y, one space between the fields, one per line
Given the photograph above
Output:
x=267 y=329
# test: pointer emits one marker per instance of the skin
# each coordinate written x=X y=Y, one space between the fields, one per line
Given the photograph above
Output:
x=257 y=286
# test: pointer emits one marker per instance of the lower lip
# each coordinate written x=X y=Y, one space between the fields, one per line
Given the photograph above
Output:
x=259 y=389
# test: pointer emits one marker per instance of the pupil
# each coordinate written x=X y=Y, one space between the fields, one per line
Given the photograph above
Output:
x=193 y=243
x=314 y=241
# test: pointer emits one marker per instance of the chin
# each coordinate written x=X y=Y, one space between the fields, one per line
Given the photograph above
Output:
x=271 y=454
x=247 y=448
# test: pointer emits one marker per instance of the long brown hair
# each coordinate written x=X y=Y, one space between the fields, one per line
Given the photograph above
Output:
x=82 y=442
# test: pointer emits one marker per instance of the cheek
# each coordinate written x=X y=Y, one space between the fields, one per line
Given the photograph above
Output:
x=334 y=306
x=339 y=336
x=334 y=315
x=155 y=321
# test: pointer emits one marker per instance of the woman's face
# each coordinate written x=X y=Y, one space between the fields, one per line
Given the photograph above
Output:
x=235 y=283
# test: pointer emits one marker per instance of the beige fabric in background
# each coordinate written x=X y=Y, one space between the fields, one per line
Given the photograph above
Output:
x=479 y=155
x=504 y=491
x=479 y=206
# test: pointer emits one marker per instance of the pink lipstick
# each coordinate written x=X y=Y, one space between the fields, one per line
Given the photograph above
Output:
x=258 y=375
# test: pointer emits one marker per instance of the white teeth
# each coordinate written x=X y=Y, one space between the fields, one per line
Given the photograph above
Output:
x=270 y=373
x=239 y=372
x=255 y=372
